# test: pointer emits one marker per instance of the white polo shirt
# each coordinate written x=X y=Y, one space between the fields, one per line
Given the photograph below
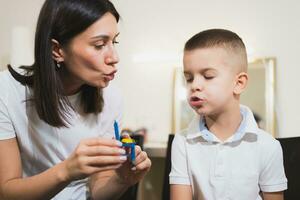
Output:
x=248 y=162
x=43 y=146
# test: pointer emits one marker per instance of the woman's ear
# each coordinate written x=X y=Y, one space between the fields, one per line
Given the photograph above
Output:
x=240 y=83
x=57 y=52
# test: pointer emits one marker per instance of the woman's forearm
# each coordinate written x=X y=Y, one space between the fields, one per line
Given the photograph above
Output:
x=50 y=182
x=42 y=186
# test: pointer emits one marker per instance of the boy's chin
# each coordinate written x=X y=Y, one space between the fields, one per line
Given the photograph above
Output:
x=200 y=111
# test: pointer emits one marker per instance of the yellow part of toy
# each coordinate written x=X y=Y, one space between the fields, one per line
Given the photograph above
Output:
x=128 y=140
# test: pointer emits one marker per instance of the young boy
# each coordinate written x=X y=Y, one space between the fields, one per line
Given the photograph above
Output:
x=222 y=154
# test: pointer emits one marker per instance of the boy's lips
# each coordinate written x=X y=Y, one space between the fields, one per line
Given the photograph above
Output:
x=196 y=101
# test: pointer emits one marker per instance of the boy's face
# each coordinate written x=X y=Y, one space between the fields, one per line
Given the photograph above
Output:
x=211 y=76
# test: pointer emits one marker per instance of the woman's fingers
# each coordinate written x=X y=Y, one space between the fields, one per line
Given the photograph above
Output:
x=140 y=155
x=142 y=161
x=144 y=165
x=102 y=150
x=105 y=160
x=95 y=169
x=101 y=141
x=94 y=154
x=137 y=149
x=98 y=147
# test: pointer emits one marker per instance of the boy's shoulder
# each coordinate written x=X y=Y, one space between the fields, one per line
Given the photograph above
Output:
x=266 y=141
x=182 y=134
x=264 y=136
x=192 y=129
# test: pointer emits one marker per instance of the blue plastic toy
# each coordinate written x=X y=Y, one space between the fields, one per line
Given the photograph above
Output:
x=127 y=142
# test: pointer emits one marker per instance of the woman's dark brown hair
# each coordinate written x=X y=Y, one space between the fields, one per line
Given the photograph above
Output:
x=61 y=20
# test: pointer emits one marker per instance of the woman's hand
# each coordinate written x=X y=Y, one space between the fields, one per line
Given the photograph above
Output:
x=130 y=174
x=92 y=156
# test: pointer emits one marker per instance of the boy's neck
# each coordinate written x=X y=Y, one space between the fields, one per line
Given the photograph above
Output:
x=225 y=124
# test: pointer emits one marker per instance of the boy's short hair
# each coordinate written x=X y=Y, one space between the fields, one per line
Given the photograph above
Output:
x=219 y=38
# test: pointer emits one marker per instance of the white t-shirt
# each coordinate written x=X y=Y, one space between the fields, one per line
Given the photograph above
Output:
x=248 y=162
x=42 y=146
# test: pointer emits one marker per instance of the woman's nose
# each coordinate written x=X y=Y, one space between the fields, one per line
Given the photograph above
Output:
x=112 y=56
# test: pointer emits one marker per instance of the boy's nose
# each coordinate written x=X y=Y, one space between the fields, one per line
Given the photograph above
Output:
x=197 y=85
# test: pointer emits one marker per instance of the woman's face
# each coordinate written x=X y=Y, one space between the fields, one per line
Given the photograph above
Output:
x=91 y=56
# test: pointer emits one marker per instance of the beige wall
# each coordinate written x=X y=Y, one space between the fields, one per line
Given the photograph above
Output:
x=152 y=36
x=160 y=28
x=16 y=13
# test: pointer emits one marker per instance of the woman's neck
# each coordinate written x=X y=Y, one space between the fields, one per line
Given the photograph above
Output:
x=71 y=85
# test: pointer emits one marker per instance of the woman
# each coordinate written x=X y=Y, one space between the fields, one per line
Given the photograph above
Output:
x=56 y=116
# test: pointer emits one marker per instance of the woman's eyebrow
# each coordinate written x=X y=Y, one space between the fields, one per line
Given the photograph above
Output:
x=117 y=35
x=104 y=36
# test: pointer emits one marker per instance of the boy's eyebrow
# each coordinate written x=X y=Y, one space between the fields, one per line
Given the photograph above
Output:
x=207 y=69
x=187 y=73
x=201 y=70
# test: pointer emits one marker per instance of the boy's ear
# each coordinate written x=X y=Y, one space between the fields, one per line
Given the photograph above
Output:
x=57 y=52
x=240 y=83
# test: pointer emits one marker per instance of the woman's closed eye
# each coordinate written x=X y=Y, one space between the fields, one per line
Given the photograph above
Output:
x=103 y=44
x=99 y=46
x=115 y=42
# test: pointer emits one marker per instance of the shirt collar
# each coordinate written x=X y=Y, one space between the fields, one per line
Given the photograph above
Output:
x=197 y=127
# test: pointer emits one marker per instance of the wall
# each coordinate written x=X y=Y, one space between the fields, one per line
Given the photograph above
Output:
x=16 y=13
x=153 y=34
x=160 y=28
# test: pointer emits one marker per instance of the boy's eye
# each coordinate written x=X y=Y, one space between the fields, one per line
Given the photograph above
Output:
x=189 y=79
x=208 y=77
x=115 y=42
